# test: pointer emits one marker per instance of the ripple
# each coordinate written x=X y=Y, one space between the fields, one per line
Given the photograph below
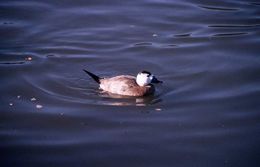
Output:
x=229 y=34
x=183 y=35
x=208 y=56
x=234 y=26
x=255 y=3
x=143 y=44
x=75 y=91
x=214 y=8
x=13 y=63
x=172 y=45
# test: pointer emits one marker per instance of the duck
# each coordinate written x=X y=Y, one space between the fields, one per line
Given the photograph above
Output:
x=127 y=85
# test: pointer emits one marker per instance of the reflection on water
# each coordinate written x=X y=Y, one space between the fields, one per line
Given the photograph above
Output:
x=205 y=114
x=119 y=100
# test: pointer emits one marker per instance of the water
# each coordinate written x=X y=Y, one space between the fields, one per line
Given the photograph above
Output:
x=205 y=114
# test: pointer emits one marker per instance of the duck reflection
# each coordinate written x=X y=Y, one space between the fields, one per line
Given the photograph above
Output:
x=119 y=100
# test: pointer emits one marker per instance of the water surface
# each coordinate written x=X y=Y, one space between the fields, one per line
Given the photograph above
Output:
x=205 y=114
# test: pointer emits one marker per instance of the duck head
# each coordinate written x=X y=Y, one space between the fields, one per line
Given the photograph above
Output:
x=144 y=78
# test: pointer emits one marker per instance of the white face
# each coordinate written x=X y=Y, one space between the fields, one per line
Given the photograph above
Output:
x=143 y=79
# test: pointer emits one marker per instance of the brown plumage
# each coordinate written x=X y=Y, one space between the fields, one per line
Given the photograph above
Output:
x=125 y=85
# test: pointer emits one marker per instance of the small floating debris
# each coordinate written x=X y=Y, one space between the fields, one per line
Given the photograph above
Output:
x=39 y=106
x=155 y=35
x=11 y=104
x=18 y=96
x=140 y=104
x=28 y=58
x=33 y=99
x=158 y=109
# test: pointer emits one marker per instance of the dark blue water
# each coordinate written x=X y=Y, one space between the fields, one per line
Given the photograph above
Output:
x=207 y=112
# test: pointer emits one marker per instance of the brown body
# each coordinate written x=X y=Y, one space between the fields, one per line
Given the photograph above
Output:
x=125 y=85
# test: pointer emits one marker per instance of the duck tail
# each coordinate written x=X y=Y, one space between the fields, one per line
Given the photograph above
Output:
x=95 y=77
